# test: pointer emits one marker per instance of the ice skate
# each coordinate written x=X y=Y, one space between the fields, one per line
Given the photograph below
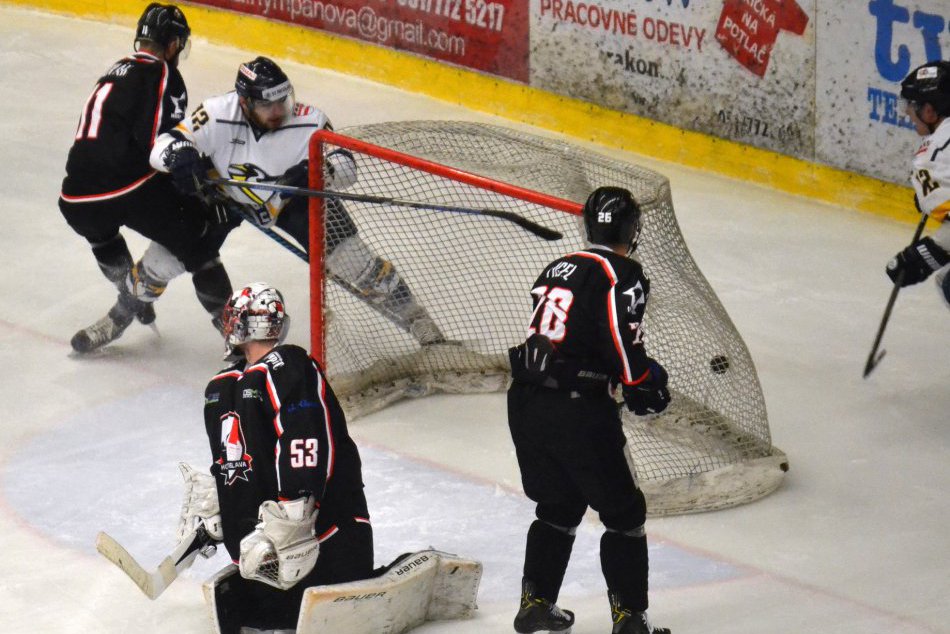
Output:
x=627 y=622
x=425 y=331
x=111 y=327
x=146 y=314
x=540 y=615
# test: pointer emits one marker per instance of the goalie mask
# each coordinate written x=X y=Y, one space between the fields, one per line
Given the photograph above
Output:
x=612 y=217
x=268 y=95
x=254 y=313
x=164 y=24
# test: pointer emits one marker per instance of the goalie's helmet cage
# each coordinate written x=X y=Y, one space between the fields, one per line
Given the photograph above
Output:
x=254 y=313
x=929 y=83
x=162 y=23
x=261 y=79
x=612 y=217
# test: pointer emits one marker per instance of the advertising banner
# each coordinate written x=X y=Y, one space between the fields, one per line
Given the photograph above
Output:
x=484 y=35
x=737 y=69
x=813 y=79
x=864 y=51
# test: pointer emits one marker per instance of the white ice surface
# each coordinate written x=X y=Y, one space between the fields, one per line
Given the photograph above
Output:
x=855 y=541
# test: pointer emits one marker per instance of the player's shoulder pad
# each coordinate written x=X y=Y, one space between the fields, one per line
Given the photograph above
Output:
x=284 y=356
x=938 y=143
x=224 y=107
x=305 y=114
x=232 y=371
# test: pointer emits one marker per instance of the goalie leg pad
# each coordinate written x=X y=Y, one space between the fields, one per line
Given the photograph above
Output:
x=424 y=586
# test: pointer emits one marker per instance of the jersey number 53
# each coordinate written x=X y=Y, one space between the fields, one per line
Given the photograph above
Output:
x=303 y=452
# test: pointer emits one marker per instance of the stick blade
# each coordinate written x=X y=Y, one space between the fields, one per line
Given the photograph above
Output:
x=872 y=362
x=150 y=584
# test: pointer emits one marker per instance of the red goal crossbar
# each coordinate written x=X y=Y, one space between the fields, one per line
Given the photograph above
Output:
x=322 y=138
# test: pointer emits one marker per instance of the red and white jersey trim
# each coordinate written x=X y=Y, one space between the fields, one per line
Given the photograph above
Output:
x=331 y=449
x=612 y=318
x=92 y=198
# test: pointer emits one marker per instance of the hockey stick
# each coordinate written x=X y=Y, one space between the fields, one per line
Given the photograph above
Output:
x=875 y=357
x=300 y=253
x=154 y=583
x=531 y=227
x=270 y=233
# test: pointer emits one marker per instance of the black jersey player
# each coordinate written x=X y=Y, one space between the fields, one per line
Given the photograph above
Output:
x=110 y=184
x=288 y=475
x=585 y=338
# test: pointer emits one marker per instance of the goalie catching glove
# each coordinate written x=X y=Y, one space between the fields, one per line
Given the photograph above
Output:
x=916 y=262
x=649 y=396
x=283 y=548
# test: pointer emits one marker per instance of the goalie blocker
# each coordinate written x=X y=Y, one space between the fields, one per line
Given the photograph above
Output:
x=429 y=585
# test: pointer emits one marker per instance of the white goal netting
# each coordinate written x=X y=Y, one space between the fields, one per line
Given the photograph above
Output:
x=710 y=449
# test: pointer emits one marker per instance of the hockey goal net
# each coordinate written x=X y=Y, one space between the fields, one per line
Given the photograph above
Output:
x=472 y=274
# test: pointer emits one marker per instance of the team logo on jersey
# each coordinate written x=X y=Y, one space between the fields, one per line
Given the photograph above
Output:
x=179 y=113
x=637 y=297
x=234 y=462
x=302 y=109
x=253 y=174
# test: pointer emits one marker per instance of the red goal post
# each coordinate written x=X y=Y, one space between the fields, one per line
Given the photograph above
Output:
x=472 y=274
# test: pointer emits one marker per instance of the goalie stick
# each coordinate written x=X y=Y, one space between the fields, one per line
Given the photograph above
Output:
x=875 y=357
x=531 y=227
x=154 y=583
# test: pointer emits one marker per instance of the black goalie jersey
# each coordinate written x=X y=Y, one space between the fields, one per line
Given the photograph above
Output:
x=138 y=98
x=277 y=432
x=590 y=304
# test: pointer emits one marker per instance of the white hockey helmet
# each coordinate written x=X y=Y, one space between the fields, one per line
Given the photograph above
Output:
x=254 y=313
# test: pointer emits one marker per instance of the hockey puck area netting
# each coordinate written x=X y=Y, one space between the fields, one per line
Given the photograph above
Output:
x=472 y=275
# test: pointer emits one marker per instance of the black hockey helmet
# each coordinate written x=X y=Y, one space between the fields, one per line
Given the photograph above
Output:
x=929 y=83
x=261 y=79
x=612 y=217
x=162 y=23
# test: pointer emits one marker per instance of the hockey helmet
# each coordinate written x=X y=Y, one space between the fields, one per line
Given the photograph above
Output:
x=162 y=24
x=267 y=90
x=612 y=217
x=261 y=79
x=254 y=313
x=929 y=83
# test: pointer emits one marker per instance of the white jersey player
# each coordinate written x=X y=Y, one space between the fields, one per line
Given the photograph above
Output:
x=259 y=134
x=926 y=91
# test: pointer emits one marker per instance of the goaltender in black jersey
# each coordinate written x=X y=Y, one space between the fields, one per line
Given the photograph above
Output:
x=585 y=337
x=288 y=476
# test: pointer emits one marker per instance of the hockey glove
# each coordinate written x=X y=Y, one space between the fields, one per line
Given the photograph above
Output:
x=650 y=396
x=200 y=504
x=531 y=362
x=184 y=162
x=340 y=169
x=282 y=549
x=915 y=263
x=296 y=176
